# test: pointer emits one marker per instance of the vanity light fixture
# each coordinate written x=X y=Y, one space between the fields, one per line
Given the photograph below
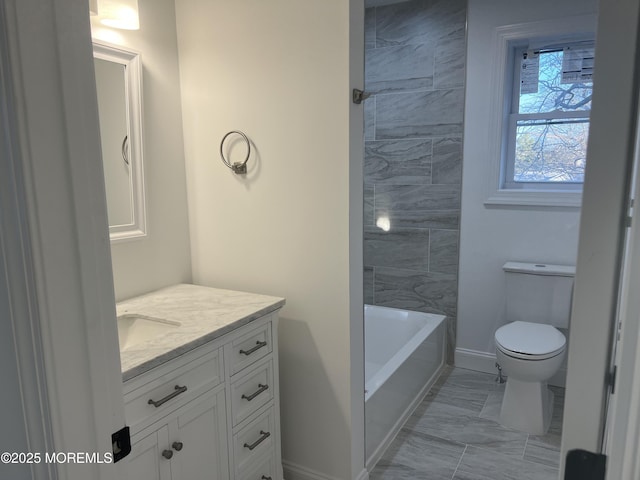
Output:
x=119 y=14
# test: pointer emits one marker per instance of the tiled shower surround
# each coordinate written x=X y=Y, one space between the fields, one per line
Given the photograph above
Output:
x=415 y=69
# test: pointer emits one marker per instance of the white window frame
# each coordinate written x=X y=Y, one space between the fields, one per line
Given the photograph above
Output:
x=509 y=160
x=505 y=39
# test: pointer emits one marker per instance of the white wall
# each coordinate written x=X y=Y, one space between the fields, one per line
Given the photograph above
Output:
x=162 y=257
x=279 y=71
x=492 y=235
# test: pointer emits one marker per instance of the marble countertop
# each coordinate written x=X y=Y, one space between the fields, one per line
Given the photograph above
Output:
x=204 y=314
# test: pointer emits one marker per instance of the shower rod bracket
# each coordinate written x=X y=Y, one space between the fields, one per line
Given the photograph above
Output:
x=359 y=96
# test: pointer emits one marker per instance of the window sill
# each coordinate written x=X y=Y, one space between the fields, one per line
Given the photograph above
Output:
x=535 y=199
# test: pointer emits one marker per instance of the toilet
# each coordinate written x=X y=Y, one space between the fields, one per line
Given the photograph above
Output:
x=530 y=349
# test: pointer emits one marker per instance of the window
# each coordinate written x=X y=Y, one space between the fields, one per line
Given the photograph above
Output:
x=547 y=124
x=532 y=119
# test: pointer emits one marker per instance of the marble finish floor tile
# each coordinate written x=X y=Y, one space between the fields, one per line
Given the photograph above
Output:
x=490 y=435
x=469 y=399
x=398 y=471
x=491 y=408
x=544 y=453
x=440 y=420
x=407 y=457
x=461 y=378
x=481 y=464
x=459 y=419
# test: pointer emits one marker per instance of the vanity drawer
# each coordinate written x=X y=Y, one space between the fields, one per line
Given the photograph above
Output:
x=264 y=469
x=250 y=348
x=251 y=391
x=254 y=441
x=167 y=391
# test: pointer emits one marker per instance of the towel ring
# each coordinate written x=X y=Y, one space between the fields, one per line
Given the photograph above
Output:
x=236 y=167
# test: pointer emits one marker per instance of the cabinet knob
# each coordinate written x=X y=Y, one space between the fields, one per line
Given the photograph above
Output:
x=177 y=446
x=167 y=454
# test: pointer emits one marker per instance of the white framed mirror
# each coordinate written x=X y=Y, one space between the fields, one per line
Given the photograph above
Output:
x=119 y=87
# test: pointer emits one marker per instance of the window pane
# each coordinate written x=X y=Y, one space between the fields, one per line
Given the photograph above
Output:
x=553 y=95
x=551 y=151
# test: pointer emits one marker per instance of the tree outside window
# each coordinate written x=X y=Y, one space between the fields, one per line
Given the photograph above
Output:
x=548 y=127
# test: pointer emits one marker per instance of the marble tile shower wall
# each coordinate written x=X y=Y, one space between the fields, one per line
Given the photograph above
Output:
x=415 y=69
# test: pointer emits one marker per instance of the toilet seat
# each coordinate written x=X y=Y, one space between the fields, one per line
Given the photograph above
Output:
x=530 y=341
x=527 y=356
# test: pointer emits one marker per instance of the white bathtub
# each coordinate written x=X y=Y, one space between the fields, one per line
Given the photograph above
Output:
x=404 y=353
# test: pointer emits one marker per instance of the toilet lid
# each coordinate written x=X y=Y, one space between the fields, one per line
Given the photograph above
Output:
x=530 y=338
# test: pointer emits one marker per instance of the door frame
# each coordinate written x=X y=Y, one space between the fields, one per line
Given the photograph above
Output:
x=602 y=227
x=25 y=401
x=622 y=440
x=60 y=205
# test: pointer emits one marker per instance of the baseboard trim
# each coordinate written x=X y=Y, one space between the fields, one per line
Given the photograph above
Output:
x=293 y=471
x=486 y=362
x=475 y=360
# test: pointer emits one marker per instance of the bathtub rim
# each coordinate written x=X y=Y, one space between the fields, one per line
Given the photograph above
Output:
x=434 y=320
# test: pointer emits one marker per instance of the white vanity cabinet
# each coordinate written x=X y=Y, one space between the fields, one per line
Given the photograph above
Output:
x=211 y=413
x=190 y=443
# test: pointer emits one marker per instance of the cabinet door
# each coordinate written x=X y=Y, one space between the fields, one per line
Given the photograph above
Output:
x=198 y=436
x=145 y=462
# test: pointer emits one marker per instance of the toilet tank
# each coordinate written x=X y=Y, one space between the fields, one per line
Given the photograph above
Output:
x=539 y=293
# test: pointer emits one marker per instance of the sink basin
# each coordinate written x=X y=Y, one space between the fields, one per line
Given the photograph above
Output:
x=134 y=329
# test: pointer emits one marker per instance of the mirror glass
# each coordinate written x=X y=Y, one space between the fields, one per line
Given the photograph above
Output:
x=118 y=83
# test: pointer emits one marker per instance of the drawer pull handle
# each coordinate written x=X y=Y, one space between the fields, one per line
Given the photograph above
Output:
x=261 y=389
x=167 y=454
x=177 y=446
x=264 y=477
x=264 y=436
x=158 y=403
x=258 y=346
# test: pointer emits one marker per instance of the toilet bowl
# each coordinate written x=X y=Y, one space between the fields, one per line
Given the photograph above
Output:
x=529 y=354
